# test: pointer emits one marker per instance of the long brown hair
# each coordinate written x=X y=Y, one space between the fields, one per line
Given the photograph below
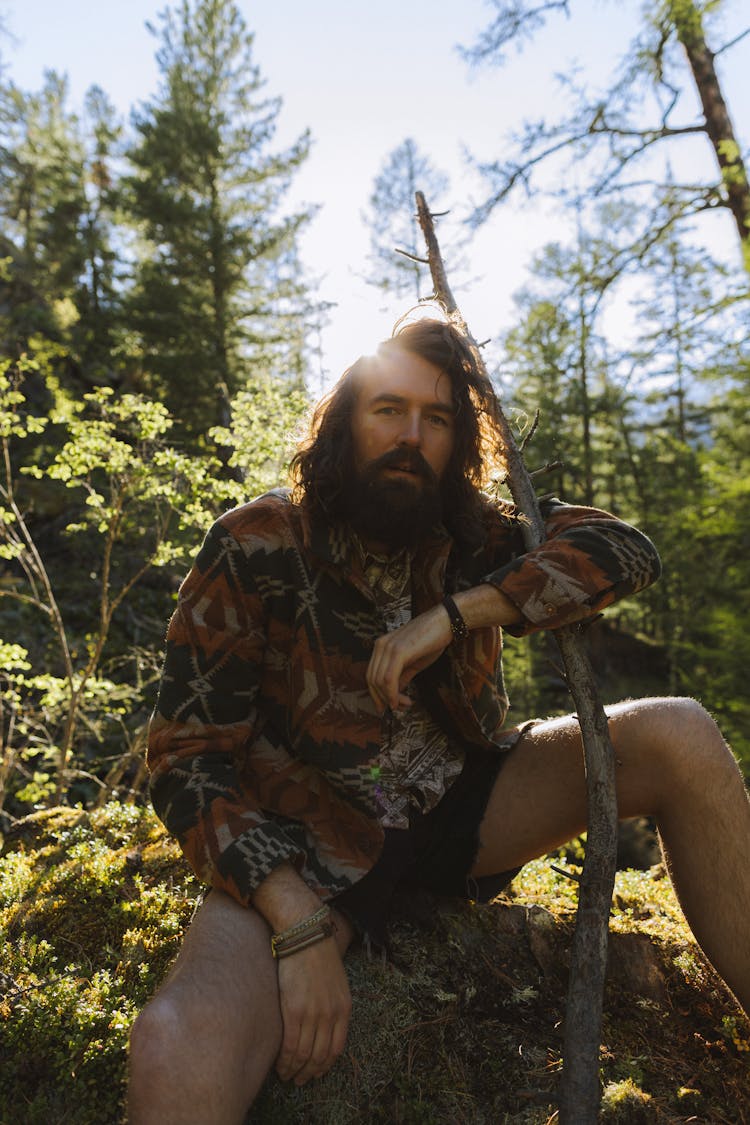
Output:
x=326 y=458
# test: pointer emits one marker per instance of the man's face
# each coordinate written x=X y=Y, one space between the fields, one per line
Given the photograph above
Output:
x=404 y=406
x=403 y=436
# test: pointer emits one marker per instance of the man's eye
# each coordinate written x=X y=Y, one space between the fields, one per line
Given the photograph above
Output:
x=438 y=419
x=386 y=410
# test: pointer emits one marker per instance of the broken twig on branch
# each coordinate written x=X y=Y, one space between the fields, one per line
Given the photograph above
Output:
x=580 y=1093
x=411 y=257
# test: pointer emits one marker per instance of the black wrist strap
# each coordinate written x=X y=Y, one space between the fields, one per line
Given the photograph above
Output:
x=459 y=628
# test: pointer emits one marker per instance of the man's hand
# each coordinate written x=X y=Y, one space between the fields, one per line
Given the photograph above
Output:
x=315 y=1008
x=398 y=656
x=313 y=987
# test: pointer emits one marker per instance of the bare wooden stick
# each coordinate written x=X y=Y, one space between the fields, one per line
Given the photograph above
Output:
x=580 y=1093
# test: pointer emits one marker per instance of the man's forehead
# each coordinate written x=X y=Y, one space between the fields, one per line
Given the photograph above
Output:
x=396 y=372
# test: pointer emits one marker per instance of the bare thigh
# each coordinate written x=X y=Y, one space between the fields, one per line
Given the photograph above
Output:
x=225 y=966
x=539 y=799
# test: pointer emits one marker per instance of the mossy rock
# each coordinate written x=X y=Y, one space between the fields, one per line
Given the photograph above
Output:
x=462 y=1024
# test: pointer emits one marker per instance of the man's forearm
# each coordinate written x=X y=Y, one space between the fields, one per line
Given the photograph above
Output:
x=284 y=898
x=486 y=605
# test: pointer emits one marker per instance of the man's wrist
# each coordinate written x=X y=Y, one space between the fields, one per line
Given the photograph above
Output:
x=486 y=605
x=284 y=899
x=459 y=628
x=310 y=931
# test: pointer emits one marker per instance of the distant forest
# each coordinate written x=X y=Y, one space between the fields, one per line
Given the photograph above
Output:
x=157 y=330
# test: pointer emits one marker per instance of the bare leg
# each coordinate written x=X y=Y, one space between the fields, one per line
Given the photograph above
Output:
x=201 y=1049
x=673 y=765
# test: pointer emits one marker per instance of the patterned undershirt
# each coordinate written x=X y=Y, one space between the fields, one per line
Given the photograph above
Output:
x=417 y=762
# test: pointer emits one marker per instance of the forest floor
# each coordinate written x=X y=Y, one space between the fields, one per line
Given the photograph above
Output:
x=462 y=1024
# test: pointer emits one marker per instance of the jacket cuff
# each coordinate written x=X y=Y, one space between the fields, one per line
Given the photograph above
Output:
x=543 y=600
x=242 y=867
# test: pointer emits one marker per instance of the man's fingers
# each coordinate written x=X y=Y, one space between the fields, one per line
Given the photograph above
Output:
x=384 y=676
x=296 y=1050
x=313 y=1054
x=398 y=656
x=328 y=1048
x=292 y=1055
x=296 y=1046
x=338 y=1039
x=320 y=1060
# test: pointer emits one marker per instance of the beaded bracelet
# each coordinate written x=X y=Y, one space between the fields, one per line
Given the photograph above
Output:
x=305 y=933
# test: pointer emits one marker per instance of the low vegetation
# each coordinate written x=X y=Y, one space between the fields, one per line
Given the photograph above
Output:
x=461 y=1024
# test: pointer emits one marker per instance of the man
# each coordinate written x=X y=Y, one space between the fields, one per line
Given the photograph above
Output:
x=331 y=723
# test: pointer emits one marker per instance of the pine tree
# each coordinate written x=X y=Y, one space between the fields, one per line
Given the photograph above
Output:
x=558 y=363
x=689 y=342
x=393 y=225
x=42 y=201
x=101 y=287
x=217 y=285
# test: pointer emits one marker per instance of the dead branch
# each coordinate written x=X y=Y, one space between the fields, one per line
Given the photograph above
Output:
x=574 y=878
x=550 y=467
x=580 y=1094
x=512 y=21
x=732 y=42
x=529 y=435
x=411 y=257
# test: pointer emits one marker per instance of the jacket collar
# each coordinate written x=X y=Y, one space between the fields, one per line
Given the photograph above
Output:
x=334 y=545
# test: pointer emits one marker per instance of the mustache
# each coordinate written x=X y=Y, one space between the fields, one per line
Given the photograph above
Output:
x=407 y=458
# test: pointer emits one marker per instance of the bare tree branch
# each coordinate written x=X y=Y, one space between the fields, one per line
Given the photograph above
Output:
x=515 y=20
x=580 y=1093
x=609 y=126
x=411 y=257
x=732 y=43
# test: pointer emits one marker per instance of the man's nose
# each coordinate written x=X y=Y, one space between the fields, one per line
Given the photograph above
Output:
x=411 y=431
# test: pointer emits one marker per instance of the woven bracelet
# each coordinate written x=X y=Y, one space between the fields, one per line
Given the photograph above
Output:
x=302 y=941
x=287 y=941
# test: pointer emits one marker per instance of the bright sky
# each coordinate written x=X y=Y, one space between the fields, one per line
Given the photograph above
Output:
x=363 y=77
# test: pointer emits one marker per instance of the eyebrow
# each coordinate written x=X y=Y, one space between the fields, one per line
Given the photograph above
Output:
x=399 y=400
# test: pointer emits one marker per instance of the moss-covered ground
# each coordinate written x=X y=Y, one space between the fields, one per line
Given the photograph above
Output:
x=463 y=1024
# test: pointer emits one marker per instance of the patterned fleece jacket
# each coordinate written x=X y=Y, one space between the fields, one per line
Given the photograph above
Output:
x=264 y=733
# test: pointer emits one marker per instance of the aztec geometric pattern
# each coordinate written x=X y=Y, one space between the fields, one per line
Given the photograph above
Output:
x=264 y=736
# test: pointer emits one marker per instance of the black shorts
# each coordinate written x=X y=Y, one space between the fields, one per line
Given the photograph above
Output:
x=436 y=853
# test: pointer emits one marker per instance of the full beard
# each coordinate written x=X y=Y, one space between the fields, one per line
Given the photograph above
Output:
x=393 y=511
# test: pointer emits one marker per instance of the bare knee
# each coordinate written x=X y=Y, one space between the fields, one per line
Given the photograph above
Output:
x=677 y=727
x=180 y=1058
x=686 y=714
x=673 y=743
x=167 y=1033
x=687 y=736
x=165 y=1077
x=155 y=1041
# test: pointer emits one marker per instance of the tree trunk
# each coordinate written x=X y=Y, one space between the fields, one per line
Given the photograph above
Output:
x=219 y=311
x=689 y=27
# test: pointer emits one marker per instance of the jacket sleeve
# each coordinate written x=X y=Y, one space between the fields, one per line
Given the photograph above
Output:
x=205 y=714
x=589 y=560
